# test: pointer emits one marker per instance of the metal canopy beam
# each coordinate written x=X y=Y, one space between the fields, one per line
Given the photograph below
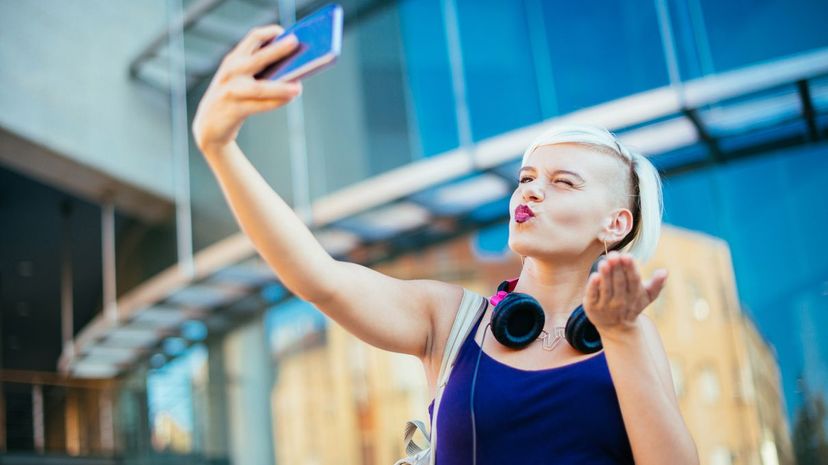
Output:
x=193 y=13
x=704 y=135
x=808 y=109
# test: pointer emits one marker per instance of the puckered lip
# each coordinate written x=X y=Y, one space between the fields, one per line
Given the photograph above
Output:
x=523 y=209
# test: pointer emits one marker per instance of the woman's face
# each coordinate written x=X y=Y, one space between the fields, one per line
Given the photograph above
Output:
x=574 y=192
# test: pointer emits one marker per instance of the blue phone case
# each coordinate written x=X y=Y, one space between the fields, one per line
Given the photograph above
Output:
x=320 y=39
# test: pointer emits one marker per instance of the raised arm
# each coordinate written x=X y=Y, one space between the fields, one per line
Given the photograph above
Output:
x=386 y=312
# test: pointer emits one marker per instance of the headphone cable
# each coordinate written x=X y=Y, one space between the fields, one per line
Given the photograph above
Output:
x=471 y=395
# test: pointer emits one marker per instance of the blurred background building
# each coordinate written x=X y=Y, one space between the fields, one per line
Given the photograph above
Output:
x=138 y=326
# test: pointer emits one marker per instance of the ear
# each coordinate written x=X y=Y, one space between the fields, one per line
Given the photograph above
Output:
x=617 y=225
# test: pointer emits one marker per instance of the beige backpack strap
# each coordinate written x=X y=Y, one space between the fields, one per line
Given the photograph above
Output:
x=411 y=427
x=471 y=308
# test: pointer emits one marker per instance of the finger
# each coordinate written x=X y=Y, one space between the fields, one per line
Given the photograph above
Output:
x=656 y=284
x=273 y=89
x=266 y=90
x=634 y=285
x=251 y=106
x=631 y=276
x=230 y=64
x=256 y=37
x=270 y=54
x=634 y=282
x=606 y=281
x=592 y=293
x=619 y=279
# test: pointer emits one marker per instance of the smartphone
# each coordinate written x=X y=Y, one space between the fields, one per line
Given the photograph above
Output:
x=320 y=40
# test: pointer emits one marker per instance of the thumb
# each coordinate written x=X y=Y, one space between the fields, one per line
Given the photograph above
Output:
x=656 y=283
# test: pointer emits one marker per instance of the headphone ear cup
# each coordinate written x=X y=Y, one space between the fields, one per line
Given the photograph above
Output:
x=517 y=320
x=581 y=333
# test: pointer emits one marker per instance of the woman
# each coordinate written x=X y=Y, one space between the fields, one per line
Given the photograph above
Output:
x=577 y=197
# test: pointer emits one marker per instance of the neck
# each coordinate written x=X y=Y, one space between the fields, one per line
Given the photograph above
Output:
x=559 y=288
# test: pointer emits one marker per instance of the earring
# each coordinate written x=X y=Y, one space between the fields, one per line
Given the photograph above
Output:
x=605 y=248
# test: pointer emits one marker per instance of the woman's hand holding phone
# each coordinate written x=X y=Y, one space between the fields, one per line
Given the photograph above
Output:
x=392 y=314
x=234 y=93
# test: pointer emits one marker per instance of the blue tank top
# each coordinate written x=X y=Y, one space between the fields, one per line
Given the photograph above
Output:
x=562 y=415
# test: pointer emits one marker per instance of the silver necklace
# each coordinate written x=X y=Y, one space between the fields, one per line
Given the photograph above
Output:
x=550 y=341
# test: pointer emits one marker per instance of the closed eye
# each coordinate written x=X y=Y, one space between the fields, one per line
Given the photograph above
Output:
x=524 y=179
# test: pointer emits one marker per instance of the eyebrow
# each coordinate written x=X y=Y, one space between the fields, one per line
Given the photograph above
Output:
x=532 y=168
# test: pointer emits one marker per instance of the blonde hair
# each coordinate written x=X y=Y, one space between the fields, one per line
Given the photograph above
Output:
x=647 y=207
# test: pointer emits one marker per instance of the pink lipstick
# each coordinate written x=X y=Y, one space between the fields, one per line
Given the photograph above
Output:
x=523 y=213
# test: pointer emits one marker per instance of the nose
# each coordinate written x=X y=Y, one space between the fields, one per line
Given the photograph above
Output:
x=532 y=192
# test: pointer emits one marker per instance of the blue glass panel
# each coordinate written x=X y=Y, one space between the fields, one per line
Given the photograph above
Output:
x=684 y=197
x=819 y=94
x=384 y=94
x=744 y=32
x=764 y=137
x=602 y=51
x=692 y=46
x=492 y=241
x=491 y=211
x=498 y=65
x=509 y=171
x=357 y=113
x=822 y=124
x=679 y=157
x=425 y=56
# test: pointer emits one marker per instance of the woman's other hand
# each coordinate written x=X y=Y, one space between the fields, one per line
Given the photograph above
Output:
x=234 y=94
x=616 y=295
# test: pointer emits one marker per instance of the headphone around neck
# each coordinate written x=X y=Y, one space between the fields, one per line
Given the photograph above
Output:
x=518 y=319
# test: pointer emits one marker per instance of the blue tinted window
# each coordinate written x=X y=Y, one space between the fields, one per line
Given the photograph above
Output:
x=429 y=74
x=498 y=66
x=743 y=32
x=603 y=50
